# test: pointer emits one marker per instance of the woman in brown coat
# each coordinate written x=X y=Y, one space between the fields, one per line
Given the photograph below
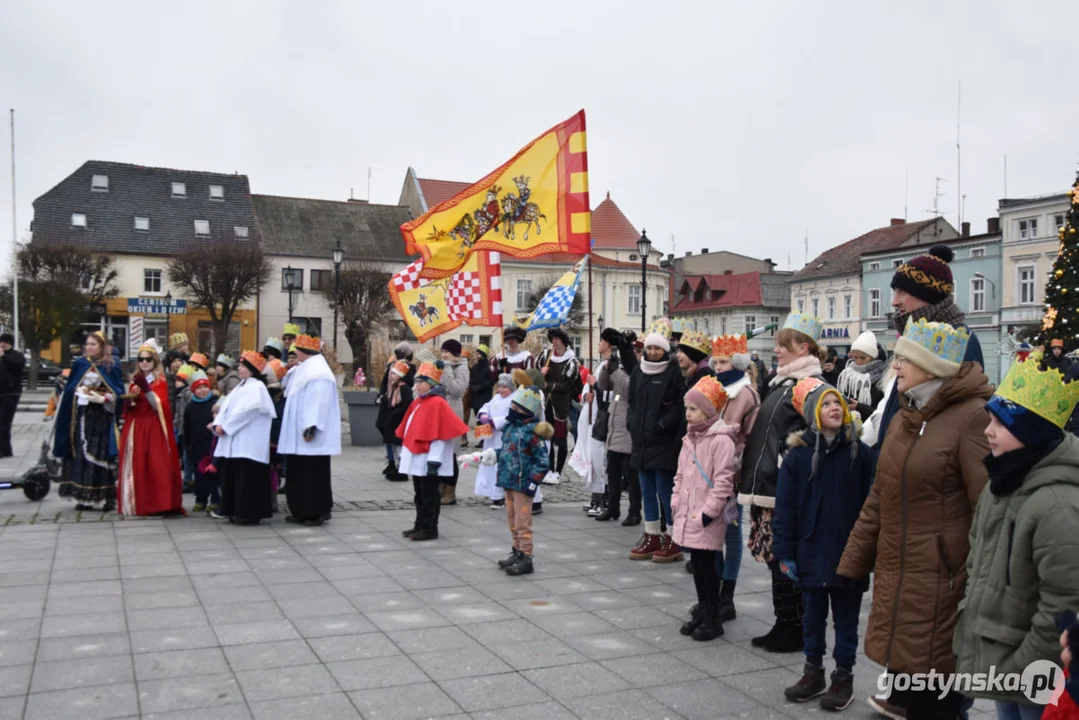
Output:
x=913 y=529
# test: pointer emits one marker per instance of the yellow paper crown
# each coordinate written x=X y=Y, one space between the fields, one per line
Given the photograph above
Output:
x=661 y=326
x=696 y=340
x=1043 y=392
x=291 y=329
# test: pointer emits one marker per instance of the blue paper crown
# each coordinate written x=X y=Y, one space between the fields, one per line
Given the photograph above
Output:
x=805 y=324
x=941 y=339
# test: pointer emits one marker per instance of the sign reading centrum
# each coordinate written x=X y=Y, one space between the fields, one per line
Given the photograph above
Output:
x=155 y=306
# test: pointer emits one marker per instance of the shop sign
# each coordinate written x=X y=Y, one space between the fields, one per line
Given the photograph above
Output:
x=835 y=334
x=155 y=306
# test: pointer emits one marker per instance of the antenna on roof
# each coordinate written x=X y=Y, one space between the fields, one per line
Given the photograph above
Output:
x=352 y=193
x=959 y=157
x=1005 y=174
x=807 y=246
x=937 y=195
x=906 y=192
x=368 y=184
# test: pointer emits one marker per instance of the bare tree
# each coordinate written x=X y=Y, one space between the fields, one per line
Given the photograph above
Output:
x=574 y=320
x=57 y=285
x=220 y=277
x=363 y=304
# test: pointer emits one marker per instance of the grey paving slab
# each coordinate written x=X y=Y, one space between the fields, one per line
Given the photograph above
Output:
x=572 y=681
x=432 y=639
x=703 y=699
x=255 y=632
x=104 y=701
x=69 y=625
x=71 y=674
x=332 y=706
x=621 y=705
x=540 y=711
x=269 y=655
x=18 y=652
x=353 y=647
x=146 y=641
x=490 y=692
x=333 y=625
x=459 y=663
x=181 y=663
x=423 y=700
x=15 y=679
x=160 y=599
x=376 y=672
x=82 y=647
x=606 y=646
x=189 y=693
x=538 y=654
x=297 y=681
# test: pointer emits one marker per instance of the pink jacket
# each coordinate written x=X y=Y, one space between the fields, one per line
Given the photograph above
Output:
x=741 y=410
x=715 y=451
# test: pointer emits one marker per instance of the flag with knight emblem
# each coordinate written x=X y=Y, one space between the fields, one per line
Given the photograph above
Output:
x=471 y=296
x=537 y=203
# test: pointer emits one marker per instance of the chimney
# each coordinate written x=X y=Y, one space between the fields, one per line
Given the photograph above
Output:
x=898 y=221
x=704 y=251
x=689 y=253
x=993 y=225
x=670 y=257
x=965 y=231
x=358 y=201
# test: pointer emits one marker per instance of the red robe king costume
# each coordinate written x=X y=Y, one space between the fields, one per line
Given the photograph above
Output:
x=149 y=481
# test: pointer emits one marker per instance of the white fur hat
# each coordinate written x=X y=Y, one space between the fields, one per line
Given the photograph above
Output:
x=866 y=343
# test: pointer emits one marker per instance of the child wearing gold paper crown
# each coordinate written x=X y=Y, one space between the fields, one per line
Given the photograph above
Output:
x=1022 y=568
x=823 y=482
x=703 y=502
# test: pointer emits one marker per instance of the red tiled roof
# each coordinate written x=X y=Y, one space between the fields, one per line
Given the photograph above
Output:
x=845 y=259
x=611 y=229
x=438 y=191
x=743 y=290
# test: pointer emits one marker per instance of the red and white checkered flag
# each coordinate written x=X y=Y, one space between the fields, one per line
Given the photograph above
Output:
x=409 y=278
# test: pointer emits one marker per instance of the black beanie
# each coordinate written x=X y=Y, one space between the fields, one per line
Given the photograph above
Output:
x=612 y=336
x=927 y=277
x=692 y=353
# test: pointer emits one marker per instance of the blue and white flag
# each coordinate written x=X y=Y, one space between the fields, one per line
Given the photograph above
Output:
x=554 y=308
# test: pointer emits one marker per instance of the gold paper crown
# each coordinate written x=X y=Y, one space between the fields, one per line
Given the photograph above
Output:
x=696 y=340
x=254 y=359
x=309 y=343
x=1043 y=393
x=177 y=339
x=201 y=360
x=727 y=345
x=151 y=347
x=713 y=391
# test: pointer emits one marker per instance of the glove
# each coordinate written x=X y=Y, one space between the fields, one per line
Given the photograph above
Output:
x=96 y=399
x=309 y=433
x=140 y=382
x=82 y=399
x=789 y=568
x=705 y=520
x=432 y=468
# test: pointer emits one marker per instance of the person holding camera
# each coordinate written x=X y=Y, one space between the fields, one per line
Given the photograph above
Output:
x=612 y=383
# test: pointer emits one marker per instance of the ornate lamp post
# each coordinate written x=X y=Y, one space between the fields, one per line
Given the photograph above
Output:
x=644 y=247
x=290 y=283
x=168 y=318
x=338 y=256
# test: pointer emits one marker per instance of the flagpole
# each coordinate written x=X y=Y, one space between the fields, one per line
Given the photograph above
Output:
x=14 y=240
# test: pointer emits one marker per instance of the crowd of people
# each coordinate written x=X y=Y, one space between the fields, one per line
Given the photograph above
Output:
x=955 y=497
x=227 y=431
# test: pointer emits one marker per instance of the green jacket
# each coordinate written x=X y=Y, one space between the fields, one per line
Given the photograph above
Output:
x=1023 y=571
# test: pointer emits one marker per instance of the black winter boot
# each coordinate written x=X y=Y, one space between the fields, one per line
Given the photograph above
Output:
x=726 y=601
x=840 y=693
x=763 y=640
x=523 y=566
x=709 y=629
x=693 y=623
x=689 y=566
x=787 y=639
x=515 y=555
x=810 y=686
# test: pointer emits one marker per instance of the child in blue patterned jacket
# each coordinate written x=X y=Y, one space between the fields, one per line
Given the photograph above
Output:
x=522 y=465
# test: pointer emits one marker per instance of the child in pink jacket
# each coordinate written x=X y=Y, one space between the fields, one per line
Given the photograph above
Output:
x=702 y=501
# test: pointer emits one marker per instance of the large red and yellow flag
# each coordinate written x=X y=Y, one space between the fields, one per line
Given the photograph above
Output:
x=536 y=203
x=472 y=295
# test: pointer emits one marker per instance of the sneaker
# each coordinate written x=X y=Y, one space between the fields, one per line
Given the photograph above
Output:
x=840 y=693
x=514 y=556
x=811 y=685
x=887 y=709
x=218 y=516
x=552 y=478
x=537 y=508
x=198 y=507
x=498 y=504
x=668 y=553
x=649 y=545
x=595 y=511
x=523 y=566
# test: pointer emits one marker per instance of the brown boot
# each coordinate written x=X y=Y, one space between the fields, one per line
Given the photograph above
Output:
x=644 y=551
x=668 y=552
x=450 y=496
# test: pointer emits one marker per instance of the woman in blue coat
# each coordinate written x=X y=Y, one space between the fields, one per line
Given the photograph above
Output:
x=87 y=436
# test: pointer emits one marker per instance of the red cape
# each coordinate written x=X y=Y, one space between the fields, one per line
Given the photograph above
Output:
x=148 y=456
x=434 y=420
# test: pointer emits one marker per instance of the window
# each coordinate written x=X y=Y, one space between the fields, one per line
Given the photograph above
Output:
x=801 y=305
x=142 y=223
x=723 y=325
x=634 y=295
x=831 y=307
x=179 y=190
x=78 y=220
x=1059 y=221
x=977 y=252
x=485 y=340
x=847 y=302
x=202 y=227
x=750 y=323
x=297 y=279
x=467 y=339
x=524 y=291
x=874 y=303
x=321 y=280
x=156 y=329
x=100 y=183
x=84 y=282
x=1028 y=229
x=874 y=266
x=151 y=281
x=240 y=231
x=816 y=307
x=897 y=263
x=1026 y=285
x=977 y=295
x=774 y=320
x=217 y=192
x=310 y=325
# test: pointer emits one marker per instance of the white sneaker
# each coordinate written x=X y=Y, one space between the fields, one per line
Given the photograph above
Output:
x=552 y=479
x=595 y=511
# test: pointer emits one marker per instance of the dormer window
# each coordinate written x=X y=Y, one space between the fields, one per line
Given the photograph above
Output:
x=240 y=231
x=179 y=190
x=100 y=183
x=217 y=192
x=142 y=223
x=78 y=220
x=202 y=227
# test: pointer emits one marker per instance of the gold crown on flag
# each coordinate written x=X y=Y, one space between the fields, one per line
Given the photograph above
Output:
x=727 y=345
x=1044 y=393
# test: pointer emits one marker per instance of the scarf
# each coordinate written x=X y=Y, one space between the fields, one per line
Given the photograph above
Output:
x=797 y=369
x=945 y=311
x=197 y=399
x=730 y=377
x=1008 y=470
x=568 y=355
x=857 y=381
x=654 y=368
x=701 y=428
x=518 y=357
x=395 y=392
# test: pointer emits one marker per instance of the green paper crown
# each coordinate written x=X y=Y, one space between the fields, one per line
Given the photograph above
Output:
x=805 y=324
x=1044 y=393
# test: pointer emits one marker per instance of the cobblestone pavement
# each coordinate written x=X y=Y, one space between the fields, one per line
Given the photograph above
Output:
x=194 y=618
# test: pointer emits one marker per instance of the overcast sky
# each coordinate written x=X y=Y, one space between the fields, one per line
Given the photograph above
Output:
x=727 y=125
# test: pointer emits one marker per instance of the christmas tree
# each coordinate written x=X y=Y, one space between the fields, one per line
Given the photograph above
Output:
x=1061 y=320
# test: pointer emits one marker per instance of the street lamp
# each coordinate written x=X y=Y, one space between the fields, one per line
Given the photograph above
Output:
x=168 y=318
x=338 y=256
x=991 y=283
x=644 y=247
x=290 y=283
